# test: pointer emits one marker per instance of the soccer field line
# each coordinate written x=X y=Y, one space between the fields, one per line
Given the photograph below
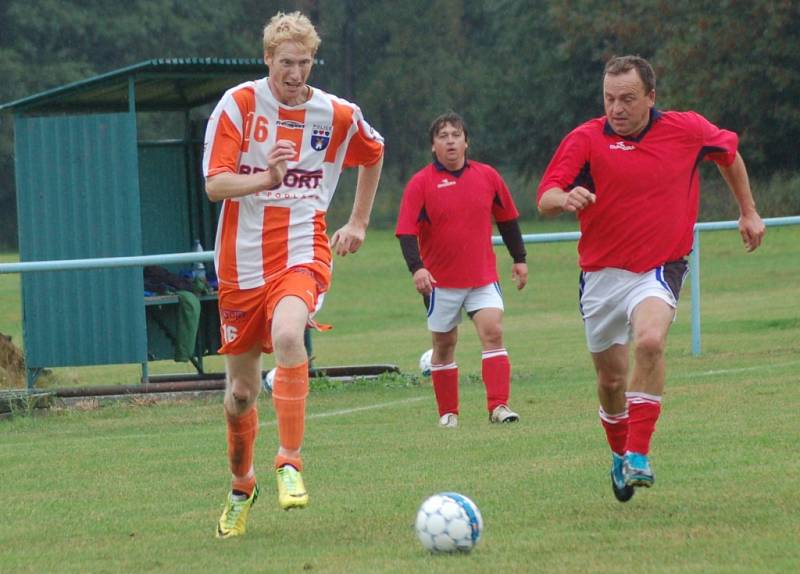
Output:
x=716 y=372
x=217 y=428
x=352 y=410
x=365 y=408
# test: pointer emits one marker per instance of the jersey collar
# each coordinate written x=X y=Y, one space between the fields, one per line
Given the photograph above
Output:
x=655 y=115
x=440 y=167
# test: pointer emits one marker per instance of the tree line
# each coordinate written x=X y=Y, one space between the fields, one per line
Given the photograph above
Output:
x=522 y=72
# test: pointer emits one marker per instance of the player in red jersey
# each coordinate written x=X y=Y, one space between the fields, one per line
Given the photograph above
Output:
x=445 y=232
x=632 y=179
x=274 y=151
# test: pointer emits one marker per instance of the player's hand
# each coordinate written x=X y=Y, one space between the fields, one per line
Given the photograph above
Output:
x=519 y=274
x=348 y=239
x=752 y=230
x=281 y=152
x=578 y=198
x=424 y=281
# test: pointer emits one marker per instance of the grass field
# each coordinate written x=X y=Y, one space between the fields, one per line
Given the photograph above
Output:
x=138 y=487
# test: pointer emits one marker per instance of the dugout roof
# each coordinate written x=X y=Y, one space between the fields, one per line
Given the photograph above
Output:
x=165 y=84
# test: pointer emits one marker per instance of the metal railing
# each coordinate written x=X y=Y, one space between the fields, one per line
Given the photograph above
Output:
x=192 y=256
x=694 y=259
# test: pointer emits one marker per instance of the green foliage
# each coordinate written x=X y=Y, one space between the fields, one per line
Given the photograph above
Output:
x=523 y=73
x=776 y=195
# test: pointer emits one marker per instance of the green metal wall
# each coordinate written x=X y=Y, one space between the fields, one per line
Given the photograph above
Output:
x=78 y=197
x=166 y=227
x=174 y=206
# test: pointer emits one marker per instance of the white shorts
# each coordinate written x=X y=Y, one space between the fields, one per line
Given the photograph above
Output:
x=444 y=307
x=609 y=296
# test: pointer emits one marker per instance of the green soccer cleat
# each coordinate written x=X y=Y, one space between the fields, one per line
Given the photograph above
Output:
x=233 y=521
x=291 y=490
x=637 y=471
x=622 y=491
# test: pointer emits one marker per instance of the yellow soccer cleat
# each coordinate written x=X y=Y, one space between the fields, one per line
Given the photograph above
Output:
x=233 y=521
x=291 y=490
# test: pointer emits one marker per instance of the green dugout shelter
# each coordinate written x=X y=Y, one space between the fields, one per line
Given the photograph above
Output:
x=90 y=185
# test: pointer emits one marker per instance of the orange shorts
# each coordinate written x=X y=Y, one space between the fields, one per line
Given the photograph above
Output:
x=246 y=314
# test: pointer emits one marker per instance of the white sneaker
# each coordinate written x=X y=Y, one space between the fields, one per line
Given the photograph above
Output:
x=503 y=414
x=448 y=421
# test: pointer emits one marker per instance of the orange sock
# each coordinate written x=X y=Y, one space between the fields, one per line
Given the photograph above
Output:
x=242 y=431
x=289 y=392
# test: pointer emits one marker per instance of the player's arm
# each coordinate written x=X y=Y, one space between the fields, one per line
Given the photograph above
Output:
x=348 y=238
x=227 y=185
x=751 y=227
x=566 y=172
x=512 y=238
x=555 y=200
x=423 y=280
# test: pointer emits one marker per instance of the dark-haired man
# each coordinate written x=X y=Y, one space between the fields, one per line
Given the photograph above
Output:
x=632 y=179
x=445 y=232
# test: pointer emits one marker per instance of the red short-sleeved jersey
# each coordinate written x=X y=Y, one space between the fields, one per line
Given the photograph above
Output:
x=647 y=187
x=451 y=213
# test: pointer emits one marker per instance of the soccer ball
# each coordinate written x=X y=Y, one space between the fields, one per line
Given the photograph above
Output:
x=425 y=363
x=449 y=522
x=266 y=382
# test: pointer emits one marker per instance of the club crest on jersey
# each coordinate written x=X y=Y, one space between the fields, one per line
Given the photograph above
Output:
x=320 y=137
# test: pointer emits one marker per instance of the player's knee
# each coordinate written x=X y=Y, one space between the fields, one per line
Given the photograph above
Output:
x=241 y=397
x=492 y=336
x=650 y=342
x=286 y=341
x=611 y=384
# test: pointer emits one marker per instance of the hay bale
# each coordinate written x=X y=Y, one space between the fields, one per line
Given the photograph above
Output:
x=12 y=364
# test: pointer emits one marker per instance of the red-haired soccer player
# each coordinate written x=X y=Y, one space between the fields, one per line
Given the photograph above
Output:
x=445 y=232
x=632 y=178
x=275 y=148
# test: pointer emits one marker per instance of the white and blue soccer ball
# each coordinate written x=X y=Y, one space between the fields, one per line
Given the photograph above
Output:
x=425 y=363
x=267 y=381
x=449 y=522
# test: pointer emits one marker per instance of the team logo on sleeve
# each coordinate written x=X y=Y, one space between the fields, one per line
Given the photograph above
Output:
x=320 y=137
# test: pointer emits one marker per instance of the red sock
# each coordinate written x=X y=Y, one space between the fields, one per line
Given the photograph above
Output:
x=289 y=392
x=242 y=431
x=643 y=412
x=445 y=387
x=496 y=371
x=616 y=427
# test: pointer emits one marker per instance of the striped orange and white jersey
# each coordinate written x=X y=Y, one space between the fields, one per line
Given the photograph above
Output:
x=262 y=234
